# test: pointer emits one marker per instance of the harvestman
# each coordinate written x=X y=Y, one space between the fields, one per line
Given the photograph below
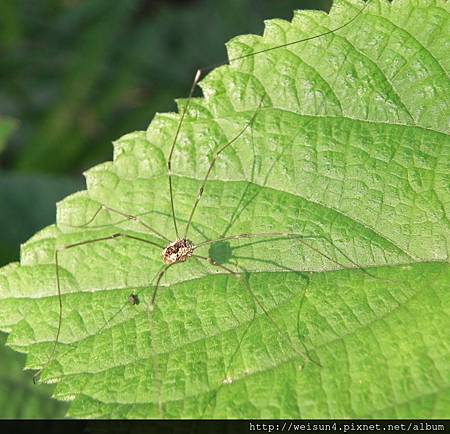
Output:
x=182 y=249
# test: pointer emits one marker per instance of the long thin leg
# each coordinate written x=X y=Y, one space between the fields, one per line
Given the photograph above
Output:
x=216 y=264
x=58 y=284
x=169 y=159
x=126 y=216
x=196 y=79
x=258 y=302
x=233 y=273
x=278 y=328
x=158 y=280
x=281 y=332
x=215 y=156
x=151 y=306
x=249 y=199
x=299 y=237
x=288 y=44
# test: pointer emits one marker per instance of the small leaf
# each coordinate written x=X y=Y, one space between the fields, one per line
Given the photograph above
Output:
x=349 y=149
x=17 y=192
x=6 y=128
x=18 y=396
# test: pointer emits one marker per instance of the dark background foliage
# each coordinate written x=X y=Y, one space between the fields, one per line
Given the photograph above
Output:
x=76 y=75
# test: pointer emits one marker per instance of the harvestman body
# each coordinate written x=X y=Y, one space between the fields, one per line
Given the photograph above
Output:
x=182 y=249
x=178 y=251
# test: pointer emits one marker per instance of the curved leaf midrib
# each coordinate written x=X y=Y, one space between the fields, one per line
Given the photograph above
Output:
x=338 y=212
x=282 y=192
x=224 y=117
x=188 y=281
x=257 y=316
x=363 y=225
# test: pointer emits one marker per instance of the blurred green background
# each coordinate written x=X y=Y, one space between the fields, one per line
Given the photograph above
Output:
x=76 y=75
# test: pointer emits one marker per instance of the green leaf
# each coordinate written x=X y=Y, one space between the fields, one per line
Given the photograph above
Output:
x=19 y=399
x=7 y=126
x=18 y=219
x=350 y=149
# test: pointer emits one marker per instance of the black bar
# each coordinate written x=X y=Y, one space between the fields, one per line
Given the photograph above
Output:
x=71 y=426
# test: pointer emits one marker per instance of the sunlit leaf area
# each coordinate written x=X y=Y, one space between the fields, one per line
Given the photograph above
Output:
x=312 y=177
